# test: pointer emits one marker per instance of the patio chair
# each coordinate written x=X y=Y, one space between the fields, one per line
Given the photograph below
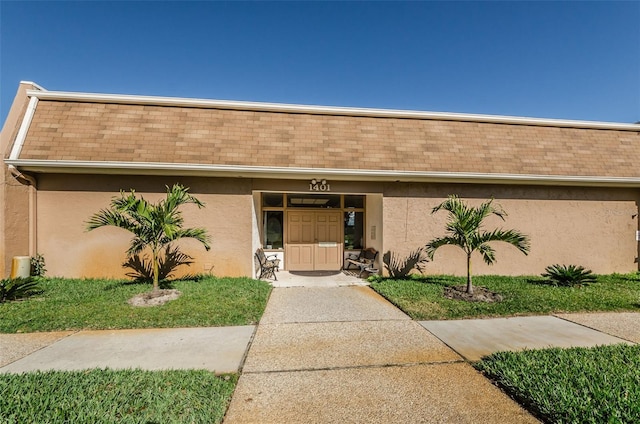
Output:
x=268 y=264
x=365 y=261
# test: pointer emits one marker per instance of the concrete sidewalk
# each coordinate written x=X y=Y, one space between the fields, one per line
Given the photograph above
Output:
x=218 y=349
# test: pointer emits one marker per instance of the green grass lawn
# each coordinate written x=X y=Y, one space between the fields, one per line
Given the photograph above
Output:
x=108 y=396
x=67 y=304
x=578 y=385
x=423 y=299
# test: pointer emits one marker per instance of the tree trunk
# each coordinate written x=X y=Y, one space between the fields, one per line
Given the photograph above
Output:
x=156 y=285
x=469 y=285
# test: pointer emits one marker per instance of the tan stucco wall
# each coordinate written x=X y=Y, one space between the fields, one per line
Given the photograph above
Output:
x=592 y=227
x=65 y=203
x=14 y=195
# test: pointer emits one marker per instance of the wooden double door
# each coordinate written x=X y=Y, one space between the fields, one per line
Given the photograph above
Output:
x=314 y=241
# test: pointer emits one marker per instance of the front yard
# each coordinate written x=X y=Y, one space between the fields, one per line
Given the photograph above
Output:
x=579 y=385
x=130 y=396
x=67 y=304
x=422 y=299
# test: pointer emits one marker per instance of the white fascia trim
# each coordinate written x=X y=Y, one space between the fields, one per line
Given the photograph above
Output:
x=323 y=110
x=24 y=127
x=145 y=168
x=38 y=86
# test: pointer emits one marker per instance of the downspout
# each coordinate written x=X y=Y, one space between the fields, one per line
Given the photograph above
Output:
x=32 y=183
x=22 y=178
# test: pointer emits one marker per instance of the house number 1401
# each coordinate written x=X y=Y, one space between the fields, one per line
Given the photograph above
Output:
x=322 y=185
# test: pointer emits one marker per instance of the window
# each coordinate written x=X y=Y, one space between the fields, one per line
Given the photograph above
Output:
x=273 y=224
x=353 y=229
x=272 y=200
x=322 y=201
x=356 y=202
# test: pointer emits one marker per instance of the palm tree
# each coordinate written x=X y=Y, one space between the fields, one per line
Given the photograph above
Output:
x=153 y=225
x=464 y=229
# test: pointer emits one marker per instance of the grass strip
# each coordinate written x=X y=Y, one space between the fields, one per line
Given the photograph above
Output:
x=577 y=385
x=108 y=396
x=68 y=304
x=423 y=299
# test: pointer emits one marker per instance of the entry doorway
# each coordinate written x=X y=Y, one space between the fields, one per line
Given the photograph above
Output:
x=314 y=240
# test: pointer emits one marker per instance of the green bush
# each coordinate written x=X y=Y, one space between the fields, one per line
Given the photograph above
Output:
x=142 y=266
x=400 y=267
x=38 y=266
x=17 y=288
x=568 y=275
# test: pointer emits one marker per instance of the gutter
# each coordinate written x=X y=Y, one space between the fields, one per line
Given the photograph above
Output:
x=322 y=110
x=145 y=168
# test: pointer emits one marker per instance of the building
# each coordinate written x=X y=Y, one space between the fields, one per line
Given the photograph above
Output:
x=311 y=183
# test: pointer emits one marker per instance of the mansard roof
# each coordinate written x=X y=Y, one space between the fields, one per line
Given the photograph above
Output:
x=77 y=132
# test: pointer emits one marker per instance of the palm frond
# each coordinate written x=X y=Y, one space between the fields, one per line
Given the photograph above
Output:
x=513 y=237
x=199 y=234
x=108 y=217
x=431 y=247
x=488 y=253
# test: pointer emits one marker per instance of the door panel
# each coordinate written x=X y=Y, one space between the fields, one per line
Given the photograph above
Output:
x=301 y=236
x=314 y=240
x=328 y=250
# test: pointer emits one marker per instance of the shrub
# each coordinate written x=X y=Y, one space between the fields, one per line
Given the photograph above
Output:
x=142 y=266
x=400 y=267
x=17 y=288
x=38 y=266
x=568 y=275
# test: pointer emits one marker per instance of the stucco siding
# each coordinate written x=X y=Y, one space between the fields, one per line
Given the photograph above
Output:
x=65 y=203
x=585 y=226
x=14 y=196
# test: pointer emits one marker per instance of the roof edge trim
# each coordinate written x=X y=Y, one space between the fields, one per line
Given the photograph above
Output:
x=323 y=110
x=38 y=86
x=24 y=128
x=295 y=173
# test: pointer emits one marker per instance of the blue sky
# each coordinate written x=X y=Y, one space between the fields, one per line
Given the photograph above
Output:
x=567 y=60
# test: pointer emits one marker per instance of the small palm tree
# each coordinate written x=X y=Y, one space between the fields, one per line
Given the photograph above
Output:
x=153 y=225
x=464 y=230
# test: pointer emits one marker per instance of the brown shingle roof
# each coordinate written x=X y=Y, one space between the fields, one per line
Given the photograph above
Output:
x=86 y=131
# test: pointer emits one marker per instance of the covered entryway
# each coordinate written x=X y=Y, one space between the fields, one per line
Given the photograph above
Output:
x=314 y=240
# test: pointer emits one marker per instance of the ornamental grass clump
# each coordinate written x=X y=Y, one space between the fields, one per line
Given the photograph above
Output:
x=400 y=267
x=17 y=288
x=568 y=275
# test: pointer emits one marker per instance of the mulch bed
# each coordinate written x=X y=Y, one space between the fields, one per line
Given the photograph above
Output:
x=480 y=294
x=154 y=298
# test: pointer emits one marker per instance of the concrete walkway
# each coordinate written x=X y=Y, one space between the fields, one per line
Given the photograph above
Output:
x=346 y=355
x=333 y=353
